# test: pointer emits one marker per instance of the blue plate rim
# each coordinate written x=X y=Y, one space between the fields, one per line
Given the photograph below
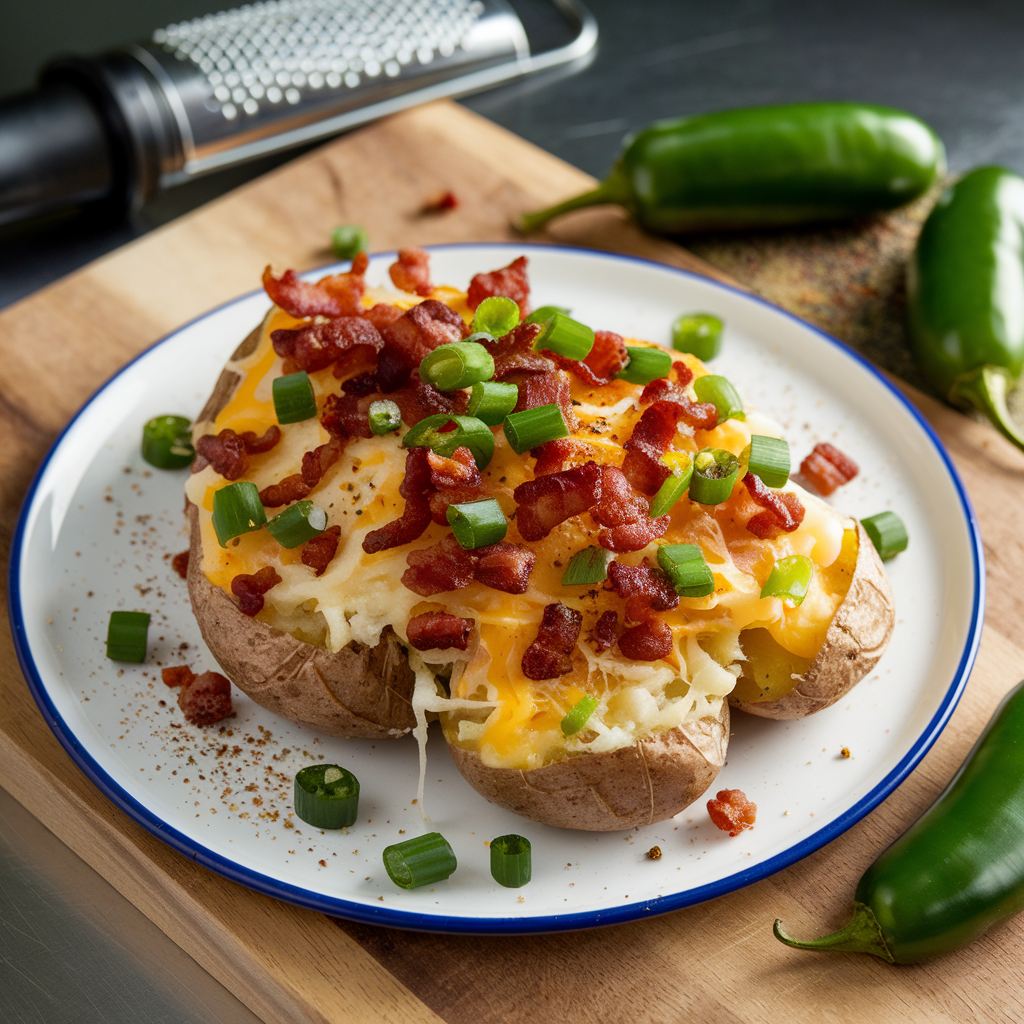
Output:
x=387 y=916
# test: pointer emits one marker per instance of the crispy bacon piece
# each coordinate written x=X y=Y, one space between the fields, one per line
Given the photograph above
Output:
x=625 y=515
x=732 y=812
x=177 y=675
x=318 y=552
x=319 y=460
x=458 y=471
x=383 y=314
x=647 y=641
x=418 y=400
x=362 y=384
x=537 y=389
x=415 y=518
x=442 y=567
x=258 y=445
x=604 y=361
x=551 y=456
x=642 y=586
x=334 y=295
x=291 y=488
x=606 y=631
x=514 y=353
x=550 y=655
x=250 y=589
x=699 y=415
x=229 y=452
x=206 y=699
x=318 y=345
x=440 y=203
x=411 y=271
x=179 y=563
x=680 y=375
x=651 y=438
x=422 y=328
x=439 y=631
x=782 y=512
x=510 y=281
x=348 y=415
x=550 y=500
x=504 y=566
x=828 y=468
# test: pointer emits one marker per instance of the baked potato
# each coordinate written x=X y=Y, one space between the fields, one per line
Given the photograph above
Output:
x=581 y=675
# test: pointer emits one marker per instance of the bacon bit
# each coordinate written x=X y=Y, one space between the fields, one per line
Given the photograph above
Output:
x=514 y=353
x=732 y=812
x=537 y=389
x=645 y=582
x=383 y=314
x=827 y=468
x=439 y=631
x=440 y=203
x=782 y=512
x=458 y=471
x=250 y=589
x=550 y=500
x=651 y=437
x=206 y=699
x=179 y=563
x=680 y=375
x=291 y=488
x=442 y=567
x=348 y=288
x=319 y=460
x=649 y=641
x=417 y=400
x=316 y=346
x=177 y=675
x=363 y=384
x=440 y=500
x=510 y=281
x=422 y=328
x=625 y=515
x=347 y=415
x=299 y=298
x=606 y=631
x=225 y=452
x=318 y=552
x=258 y=445
x=505 y=567
x=411 y=271
x=552 y=456
x=604 y=361
x=549 y=656
x=699 y=415
x=415 y=518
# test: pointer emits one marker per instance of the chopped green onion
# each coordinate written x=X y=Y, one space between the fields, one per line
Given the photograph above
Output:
x=579 y=715
x=496 y=316
x=722 y=395
x=565 y=336
x=477 y=523
x=675 y=485
x=542 y=314
x=887 y=533
x=126 y=636
x=790 y=577
x=510 y=861
x=645 y=365
x=294 y=400
x=298 y=523
x=419 y=861
x=714 y=474
x=491 y=401
x=685 y=566
x=167 y=442
x=459 y=364
x=699 y=334
x=482 y=337
x=385 y=416
x=531 y=427
x=768 y=459
x=587 y=566
x=349 y=240
x=237 y=509
x=326 y=796
x=469 y=432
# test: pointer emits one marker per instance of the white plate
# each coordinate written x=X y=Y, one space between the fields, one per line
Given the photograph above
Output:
x=98 y=526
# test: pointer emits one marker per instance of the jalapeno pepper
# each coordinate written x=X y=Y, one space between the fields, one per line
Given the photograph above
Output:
x=766 y=166
x=965 y=294
x=958 y=870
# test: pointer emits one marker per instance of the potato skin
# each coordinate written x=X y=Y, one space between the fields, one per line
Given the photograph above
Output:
x=855 y=640
x=653 y=779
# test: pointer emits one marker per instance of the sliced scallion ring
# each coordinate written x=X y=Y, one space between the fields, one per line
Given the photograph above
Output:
x=496 y=316
x=511 y=864
x=491 y=401
x=587 y=567
x=469 y=433
x=385 y=416
x=790 y=577
x=714 y=474
x=349 y=240
x=237 y=509
x=768 y=459
x=579 y=715
x=459 y=364
x=675 y=485
x=544 y=313
x=565 y=336
x=167 y=442
x=722 y=395
x=887 y=533
x=477 y=523
x=699 y=334
x=294 y=400
x=685 y=566
x=126 y=636
x=645 y=365
x=532 y=427
x=421 y=860
x=298 y=523
x=326 y=796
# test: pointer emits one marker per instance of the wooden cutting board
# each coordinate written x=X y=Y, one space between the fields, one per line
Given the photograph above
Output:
x=716 y=962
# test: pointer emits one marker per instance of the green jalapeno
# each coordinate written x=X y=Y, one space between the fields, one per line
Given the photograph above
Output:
x=765 y=166
x=965 y=294
x=958 y=870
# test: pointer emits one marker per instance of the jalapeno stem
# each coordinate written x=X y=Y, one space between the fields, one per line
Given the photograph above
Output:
x=862 y=935
x=614 y=189
x=985 y=389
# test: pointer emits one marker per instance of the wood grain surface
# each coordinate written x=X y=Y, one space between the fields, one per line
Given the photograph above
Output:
x=711 y=963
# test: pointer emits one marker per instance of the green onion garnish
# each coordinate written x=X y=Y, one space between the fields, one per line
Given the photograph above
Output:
x=349 y=240
x=491 y=401
x=419 y=861
x=477 y=523
x=496 y=316
x=126 y=636
x=237 y=509
x=294 y=400
x=790 y=577
x=167 y=442
x=887 y=533
x=510 y=861
x=542 y=314
x=714 y=473
x=698 y=333
x=565 y=336
x=326 y=796
x=767 y=458
x=469 y=432
x=675 y=485
x=645 y=365
x=298 y=523
x=531 y=427
x=459 y=364
x=579 y=715
x=385 y=416
x=587 y=566
x=722 y=395
x=685 y=566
